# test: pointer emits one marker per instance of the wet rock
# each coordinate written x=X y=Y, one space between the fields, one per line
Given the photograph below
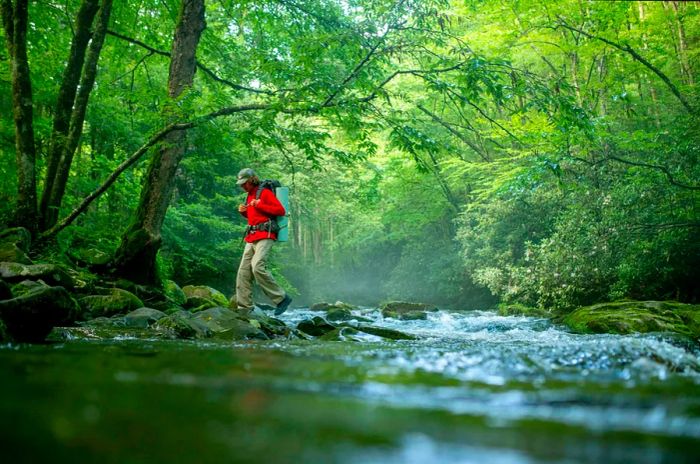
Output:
x=315 y=327
x=182 y=325
x=406 y=311
x=272 y=327
x=90 y=257
x=385 y=333
x=30 y=317
x=48 y=273
x=143 y=317
x=517 y=309
x=207 y=293
x=118 y=301
x=5 y=292
x=624 y=317
x=18 y=236
x=338 y=314
x=331 y=306
x=343 y=334
x=197 y=303
x=9 y=252
x=174 y=293
x=228 y=324
x=26 y=286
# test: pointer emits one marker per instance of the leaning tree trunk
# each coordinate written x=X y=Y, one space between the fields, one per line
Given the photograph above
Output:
x=15 y=18
x=136 y=257
x=77 y=117
x=48 y=207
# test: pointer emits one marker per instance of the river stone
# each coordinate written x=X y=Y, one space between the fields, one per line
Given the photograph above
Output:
x=174 y=292
x=624 y=317
x=49 y=273
x=385 y=333
x=143 y=317
x=203 y=291
x=225 y=323
x=330 y=306
x=316 y=326
x=406 y=311
x=518 y=309
x=272 y=327
x=9 y=252
x=30 y=317
x=18 y=236
x=182 y=325
x=5 y=292
x=116 y=302
x=198 y=303
x=344 y=334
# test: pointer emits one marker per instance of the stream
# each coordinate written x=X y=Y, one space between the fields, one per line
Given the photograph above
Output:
x=474 y=387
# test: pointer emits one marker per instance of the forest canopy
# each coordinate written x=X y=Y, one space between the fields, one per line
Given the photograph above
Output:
x=458 y=152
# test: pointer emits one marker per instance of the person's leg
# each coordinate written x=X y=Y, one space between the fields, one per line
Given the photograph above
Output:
x=244 y=278
x=262 y=275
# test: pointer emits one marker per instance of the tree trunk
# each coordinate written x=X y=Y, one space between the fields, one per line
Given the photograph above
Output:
x=15 y=17
x=136 y=257
x=50 y=215
x=64 y=106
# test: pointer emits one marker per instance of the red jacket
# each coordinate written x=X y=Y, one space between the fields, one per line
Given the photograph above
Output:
x=269 y=206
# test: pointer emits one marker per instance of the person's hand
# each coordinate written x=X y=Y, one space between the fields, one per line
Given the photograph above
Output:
x=254 y=202
x=242 y=208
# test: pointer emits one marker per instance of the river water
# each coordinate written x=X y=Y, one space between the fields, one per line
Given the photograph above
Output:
x=473 y=387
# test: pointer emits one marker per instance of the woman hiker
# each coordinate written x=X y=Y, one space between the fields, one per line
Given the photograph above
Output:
x=260 y=237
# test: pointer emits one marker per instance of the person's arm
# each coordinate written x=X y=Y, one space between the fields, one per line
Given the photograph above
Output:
x=269 y=204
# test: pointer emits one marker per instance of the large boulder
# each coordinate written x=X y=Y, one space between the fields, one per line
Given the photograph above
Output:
x=117 y=301
x=174 y=293
x=90 y=257
x=624 y=317
x=182 y=325
x=30 y=317
x=198 y=295
x=50 y=274
x=143 y=317
x=228 y=324
x=406 y=311
x=5 y=292
x=315 y=327
x=385 y=333
x=9 y=252
x=18 y=236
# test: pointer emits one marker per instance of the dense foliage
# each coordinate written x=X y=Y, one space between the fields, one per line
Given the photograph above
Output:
x=462 y=152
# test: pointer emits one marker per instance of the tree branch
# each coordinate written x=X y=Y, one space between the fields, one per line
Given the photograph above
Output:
x=204 y=69
x=663 y=169
x=627 y=49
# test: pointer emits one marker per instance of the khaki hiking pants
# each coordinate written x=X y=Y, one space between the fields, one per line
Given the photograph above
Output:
x=254 y=264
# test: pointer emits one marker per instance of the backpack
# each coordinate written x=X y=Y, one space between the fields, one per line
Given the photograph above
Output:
x=270 y=184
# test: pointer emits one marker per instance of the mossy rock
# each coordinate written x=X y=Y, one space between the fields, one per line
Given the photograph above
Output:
x=30 y=317
x=323 y=306
x=18 y=236
x=118 y=301
x=202 y=291
x=406 y=316
x=518 y=309
x=174 y=293
x=406 y=311
x=227 y=324
x=49 y=273
x=90 y=257
x=9 y=252
x=143 y=317
x=316 y=326
x=182 y=325
x=385 y=333
x=624 y=317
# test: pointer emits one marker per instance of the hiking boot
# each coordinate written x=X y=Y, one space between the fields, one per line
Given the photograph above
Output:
x=284 y=304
